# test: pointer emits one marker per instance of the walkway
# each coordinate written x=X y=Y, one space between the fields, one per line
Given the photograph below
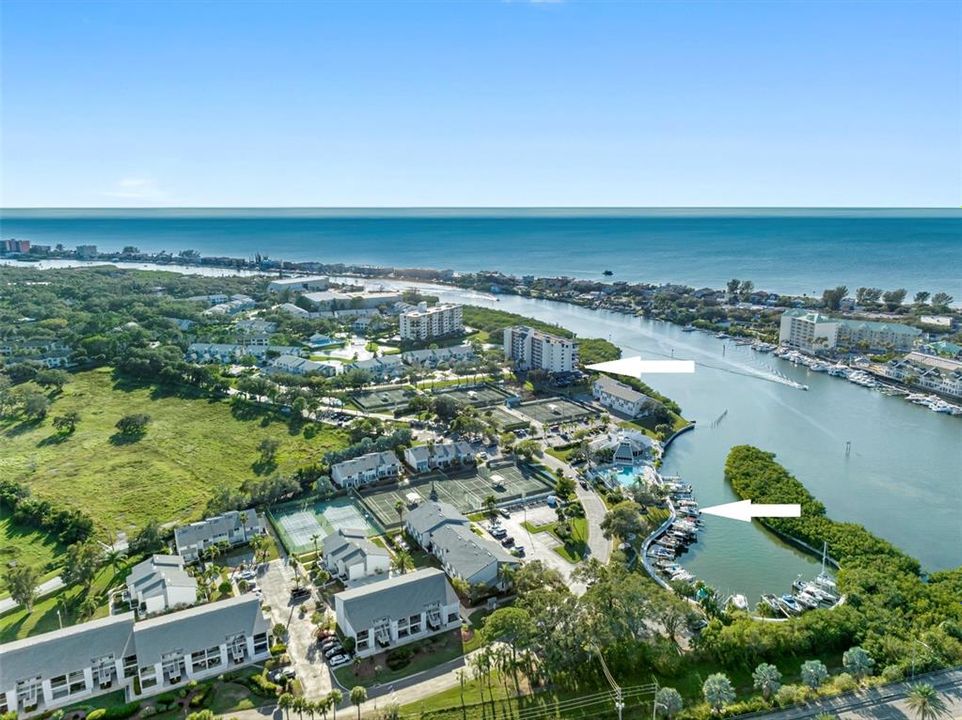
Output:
x=44 y=588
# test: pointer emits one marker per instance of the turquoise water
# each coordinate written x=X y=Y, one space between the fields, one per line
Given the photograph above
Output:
x=797 y=251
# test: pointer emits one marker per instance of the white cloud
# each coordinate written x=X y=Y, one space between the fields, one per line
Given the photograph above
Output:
x=138 y=188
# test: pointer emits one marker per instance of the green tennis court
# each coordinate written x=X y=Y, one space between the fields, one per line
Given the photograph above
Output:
x=393 y=398
x=478 y=396
x=465 y=491
x=551 y=411
x=503 y=419
x=298 y=524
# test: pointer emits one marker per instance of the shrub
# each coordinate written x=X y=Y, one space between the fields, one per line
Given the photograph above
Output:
x=148 y=711
x=843 y=682
x=278 y=649
x=97 y=714
x=120 y=712
x=893 y=673
x=399 y=658
x=167 y=698
x=261 y=685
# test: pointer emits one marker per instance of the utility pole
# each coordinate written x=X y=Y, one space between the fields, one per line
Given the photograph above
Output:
x=619 y=697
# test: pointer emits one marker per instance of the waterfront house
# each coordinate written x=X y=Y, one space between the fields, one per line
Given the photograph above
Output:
x=159 y=584
x=396 y=611
x=74 y=664
x=619 y=397
x=233 y=528
x=365 y=470
x=350 y=556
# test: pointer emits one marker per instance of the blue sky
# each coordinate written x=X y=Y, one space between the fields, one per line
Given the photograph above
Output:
x=480 y=104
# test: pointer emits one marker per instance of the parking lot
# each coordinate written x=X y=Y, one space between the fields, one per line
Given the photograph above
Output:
x=275 y=583
x=538 y=546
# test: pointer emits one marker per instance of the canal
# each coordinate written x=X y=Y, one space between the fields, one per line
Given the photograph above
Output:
x=902 y=478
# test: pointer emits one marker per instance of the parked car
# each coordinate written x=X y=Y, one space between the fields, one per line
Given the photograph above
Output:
x=338 y=660
x=299 y=593
x=518 y=551
x=508 y=541
x=498 y=533
x=504 y=513
x=332 y=651
x=284 y=673
x=330 y=642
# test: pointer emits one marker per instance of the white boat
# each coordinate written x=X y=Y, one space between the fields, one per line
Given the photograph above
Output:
x=739 y=602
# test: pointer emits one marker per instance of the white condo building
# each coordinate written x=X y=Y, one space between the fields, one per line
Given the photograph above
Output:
x=532 y=349
x=424 y=323
x=812 y=331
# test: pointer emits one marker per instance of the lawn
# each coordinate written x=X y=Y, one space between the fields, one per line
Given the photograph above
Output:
x=19 y=623
x=191 y=444
x=27 y=546
x=573 y=550
x=428 y=653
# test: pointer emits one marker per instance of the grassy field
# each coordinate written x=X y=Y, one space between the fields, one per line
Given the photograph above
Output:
x=27 y=546
x=191 y=444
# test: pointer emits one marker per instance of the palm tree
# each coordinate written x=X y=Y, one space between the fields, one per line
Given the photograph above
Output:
x=335 y=697
x=300 y=705
x=925 y=701
x=403 y=561
x=814 y=673
x=668 y=702
x=718 y=691
x=285 y=702
x=314 y=538
x=399 y=509
x=323 y=705
x=767 y=679
x=358 y=697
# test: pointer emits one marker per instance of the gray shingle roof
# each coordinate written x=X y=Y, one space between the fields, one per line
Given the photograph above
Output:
x=62 y=651
x=619 y=390
x=200 y=627
x=204 y=530
x=428 y=517
x=348 y=542
x=395 y=597
x=370 y=461
x=466 y=553
x=150 y=577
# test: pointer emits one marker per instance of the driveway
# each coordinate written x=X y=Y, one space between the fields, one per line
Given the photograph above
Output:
x=312 y=672
x=595 y=511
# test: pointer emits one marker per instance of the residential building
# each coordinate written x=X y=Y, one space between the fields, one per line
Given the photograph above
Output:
x=14 y=246
x=443 y=531
x=328 y=301
x=381 y=368
x=86 y=252
x=350 y=556
x=292 y=309
x=226 y=353
x=424 y=323
x=944 y=348
x=943 y=322
x=532 y=349
x=428 y=517
x=812 y=331
x=42 y=673
x=159 y=584
x=236 y=304
x=927 y=372
x=431 y=358
x=617 y=396
x=256 y=327
x=299 y=284
x=234 y=527
x=397 y=611
x=366 y=469
x=439 y=455
x=301 y=366
x=213 y=299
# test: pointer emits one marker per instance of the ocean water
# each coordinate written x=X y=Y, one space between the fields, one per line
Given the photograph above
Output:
x=795 y=251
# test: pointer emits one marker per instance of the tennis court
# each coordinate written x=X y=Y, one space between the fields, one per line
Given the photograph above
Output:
x=551 y=411
x=298 y=523
x=465 y=491
x=478 y=396
x=373 y=400
x=503 y=419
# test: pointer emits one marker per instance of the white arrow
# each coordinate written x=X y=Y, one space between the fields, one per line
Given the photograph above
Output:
x=636 y=367
x=744 y=510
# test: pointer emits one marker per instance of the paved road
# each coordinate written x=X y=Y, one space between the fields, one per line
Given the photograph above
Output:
x=595 y=512
x=884 y=703
x=44 y=588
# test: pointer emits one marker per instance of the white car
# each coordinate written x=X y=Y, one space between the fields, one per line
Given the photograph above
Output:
x=338 y=660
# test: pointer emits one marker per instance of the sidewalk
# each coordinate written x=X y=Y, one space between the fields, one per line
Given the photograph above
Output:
x=44 y=588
